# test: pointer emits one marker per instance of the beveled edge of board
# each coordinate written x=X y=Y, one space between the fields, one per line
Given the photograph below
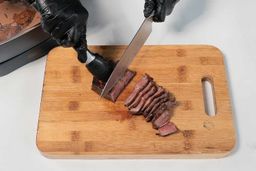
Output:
x=134 y=157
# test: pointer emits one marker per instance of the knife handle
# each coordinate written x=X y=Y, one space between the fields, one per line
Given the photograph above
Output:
x=98 y=66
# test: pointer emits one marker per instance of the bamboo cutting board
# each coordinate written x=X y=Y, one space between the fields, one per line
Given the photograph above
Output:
x=75 y=123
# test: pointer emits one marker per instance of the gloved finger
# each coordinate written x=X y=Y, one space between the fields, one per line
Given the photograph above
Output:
x=62 y=28
x=50 y=6
x=40 y=6
x=49 y=23
x=79 y=35
x=76 y=36
x=66 y=42
x=170 y=6
x=160 y=11
x=149 y=7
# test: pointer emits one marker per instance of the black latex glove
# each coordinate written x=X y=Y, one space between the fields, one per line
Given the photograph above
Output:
x=160 y=8
x=65 y=20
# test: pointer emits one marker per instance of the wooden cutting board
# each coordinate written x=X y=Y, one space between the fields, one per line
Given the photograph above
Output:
x=75 y=123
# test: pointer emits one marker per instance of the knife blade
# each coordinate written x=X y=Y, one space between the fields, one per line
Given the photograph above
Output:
x=129 y=54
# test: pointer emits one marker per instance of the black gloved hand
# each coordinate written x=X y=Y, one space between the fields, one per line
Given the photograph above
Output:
x=65 y=20
x=160 y=8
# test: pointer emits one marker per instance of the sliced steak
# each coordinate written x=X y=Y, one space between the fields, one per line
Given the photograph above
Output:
x=138 y=87
x=149 y=94
x=159 y=92
x=165 y=106
x=155 y=103
x=152 y=113
x=141 y=94
x=129 y=75
x=115 y=92
x=165 y=95
x=160 y=110
x=171 y=104
x=120 y=86
x=162 y=120
x=97 y=85
x=137 y=109
x=168 y=129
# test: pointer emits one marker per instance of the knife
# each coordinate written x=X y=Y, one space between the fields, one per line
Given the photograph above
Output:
x=129 y=54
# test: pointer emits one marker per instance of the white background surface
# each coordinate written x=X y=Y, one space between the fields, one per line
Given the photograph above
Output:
x=227 y=24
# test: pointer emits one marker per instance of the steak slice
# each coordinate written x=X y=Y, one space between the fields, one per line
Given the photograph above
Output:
x=138 y=108
x=129 y=75
x=167 y=129
x=160 y=110
x=165 y=106
x=120 y=86
x=152 y=113
x=97 y=86
x=138 y=87
x=162 y=120
x=155 y=101
x=141 y=94
x=159 y=92
x=162 y=105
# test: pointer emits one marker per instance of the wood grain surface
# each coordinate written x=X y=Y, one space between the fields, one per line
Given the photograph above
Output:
x=75 y=123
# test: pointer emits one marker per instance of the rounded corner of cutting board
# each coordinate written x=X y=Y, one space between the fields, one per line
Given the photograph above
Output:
x=40 y=148
x=212 y=47
x=217 y=49
x=232 y=148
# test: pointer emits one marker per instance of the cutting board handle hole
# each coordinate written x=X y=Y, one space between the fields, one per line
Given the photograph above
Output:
x=209 y=96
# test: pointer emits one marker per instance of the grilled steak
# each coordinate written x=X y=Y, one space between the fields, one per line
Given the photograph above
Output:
x=149 y=94
x=162 y=120
x=167 y=129
x=155 y=103
x=115 y=92
x=152 y=113
x=159 y=92
x=138 y=108
x=165 y=106
x=139 y=87
x=141 y=94
x=120 y=86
